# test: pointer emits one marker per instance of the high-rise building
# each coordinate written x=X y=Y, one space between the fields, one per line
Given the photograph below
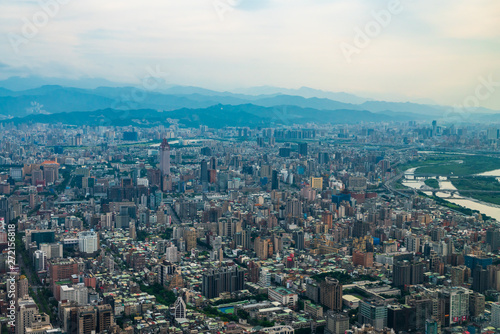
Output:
x=476 y=304
x=171 y=254
x=265 y=278
x=412 y=243
x=26 y=311
x=336 y=323
x=164 y=155
x=178 y=157
x=275 y=181
x=39 y=259
x=426 y=307
x=298 y=237
x=494 y=277
x=253 y=272
x=401 y=318
x=453 y=305
x=50 y=171
x=459 y=275
x=431 y=327
x=303 y=149
x=243 y=239
x=180 y=310
x=52 y=250
x=204 y=176
x=364 y=259
x=190 y=237
x=61 y=269
x=42 y=236
x=223 y=279
x=495 y=315
x=493 y=238
x=261 y=247
x=284 y=152
x=77 y=293
x=407 y=273
x=331 y=294
x=471 y=261
x=22 y=287
x=373 y=312
x=104 y=318
x=317 y=183
x=480 y=279
x=132 y=230
x=87 y=320
x=87 y=242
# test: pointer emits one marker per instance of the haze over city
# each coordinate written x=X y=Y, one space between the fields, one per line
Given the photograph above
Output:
x=423 y=52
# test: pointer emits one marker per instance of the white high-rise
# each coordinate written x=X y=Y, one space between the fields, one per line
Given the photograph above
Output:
x=171 y=254
x=87 y=242
x=495 y=315
x=77 y=293
x=180 y=309
x=39 y=259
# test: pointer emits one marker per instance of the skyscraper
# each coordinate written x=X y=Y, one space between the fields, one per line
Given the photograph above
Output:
x=373 y=312
x=164 y=158
x=190 y=237
x=275 y=181
x=480 y=279
x=224 y=279
x=180 y=309
x=87 y=242
x=204 y=171
x=87 y=320
x=261 y=247
x=331 y=294
x=26 y=311
x=495 y=315
x=303 y=149
x=453 y=305
x=336 y=323
x=407 y=273
x=298 y=237
x=104 y=317
x=493 y=238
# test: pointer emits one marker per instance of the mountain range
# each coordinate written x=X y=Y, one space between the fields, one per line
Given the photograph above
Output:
x=195 y=106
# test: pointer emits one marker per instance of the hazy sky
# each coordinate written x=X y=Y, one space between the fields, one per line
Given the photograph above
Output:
x=423 y=51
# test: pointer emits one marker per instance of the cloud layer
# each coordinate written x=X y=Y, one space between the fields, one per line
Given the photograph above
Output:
x=423 y=51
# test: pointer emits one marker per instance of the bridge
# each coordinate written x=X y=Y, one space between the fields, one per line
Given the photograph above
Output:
x=426 y=175
x=451 y=192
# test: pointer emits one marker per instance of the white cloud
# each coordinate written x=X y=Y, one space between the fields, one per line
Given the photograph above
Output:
x=431 y=50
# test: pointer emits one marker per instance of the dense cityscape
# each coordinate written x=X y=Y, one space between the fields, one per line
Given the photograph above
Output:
x=387 y=227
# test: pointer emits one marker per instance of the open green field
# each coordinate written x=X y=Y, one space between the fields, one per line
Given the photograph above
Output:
x=454 y=165
x=479 y=183
x=433 y=183
x=476 y=183
x=430 y=159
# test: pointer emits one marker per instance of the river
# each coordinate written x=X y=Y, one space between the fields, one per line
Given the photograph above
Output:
x=488 y=209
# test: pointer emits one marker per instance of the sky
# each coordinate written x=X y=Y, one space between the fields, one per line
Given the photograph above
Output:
x=444 y=52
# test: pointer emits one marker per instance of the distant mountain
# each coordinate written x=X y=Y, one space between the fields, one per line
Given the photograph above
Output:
x=304 y=92
x=58 y=99
x=30 y=82
x=216 y=116
x=54 y=99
